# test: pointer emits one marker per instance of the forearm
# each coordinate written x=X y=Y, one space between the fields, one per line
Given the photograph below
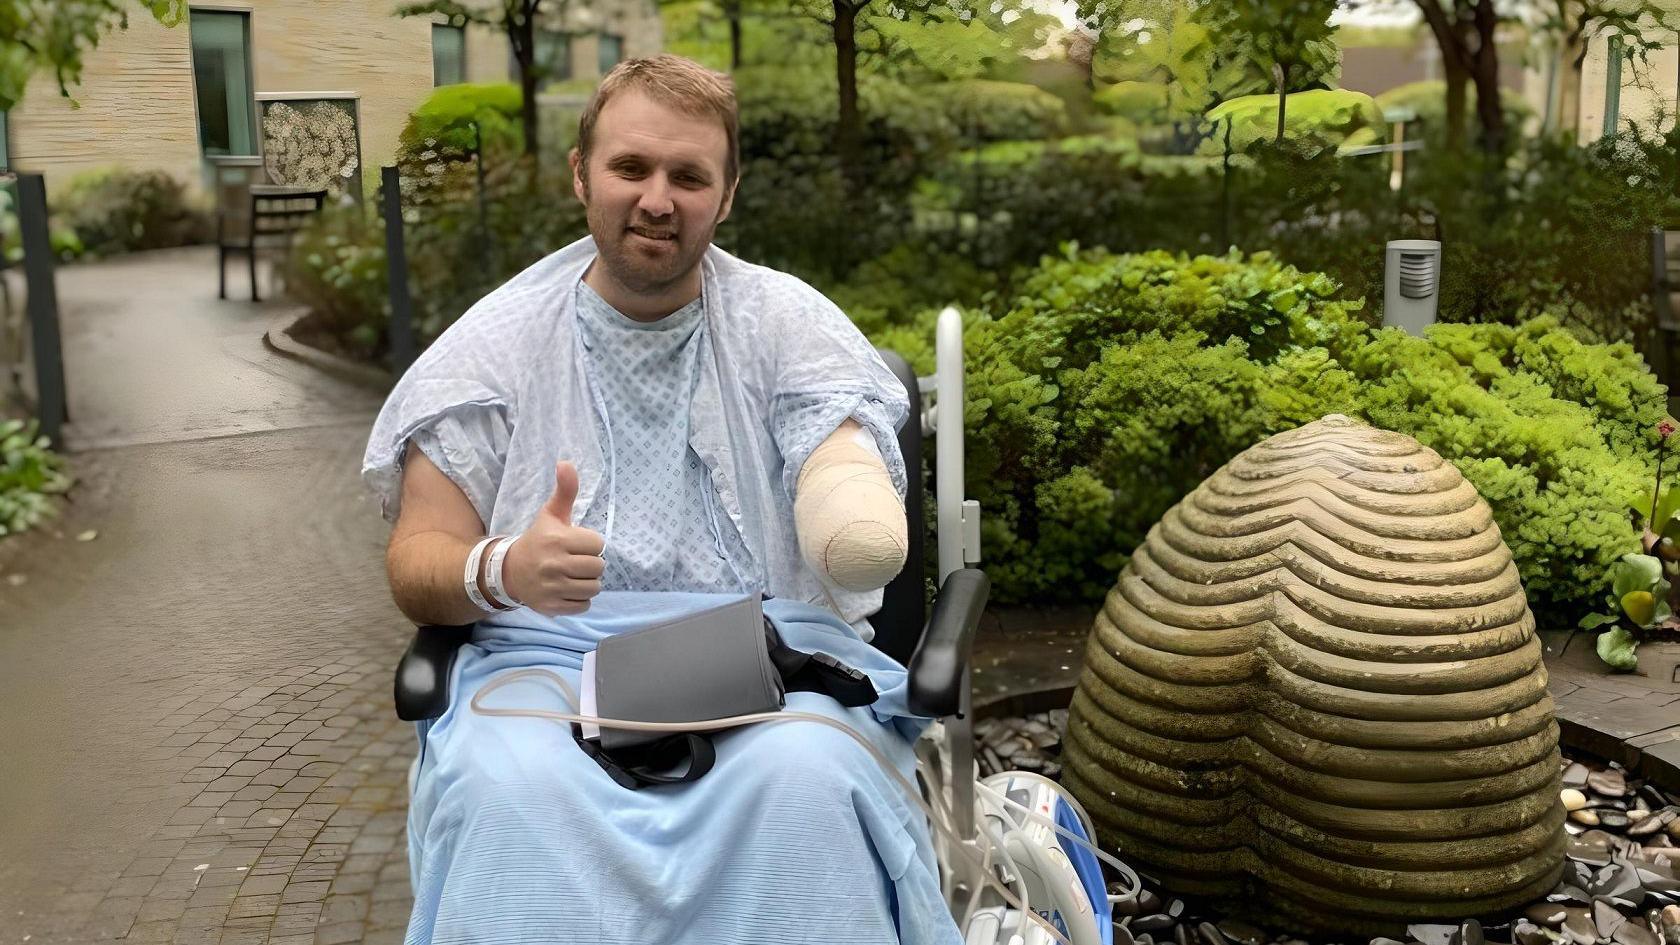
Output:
x=425 y=570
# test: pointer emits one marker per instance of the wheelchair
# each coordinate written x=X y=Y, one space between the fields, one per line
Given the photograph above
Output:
x=936 y=648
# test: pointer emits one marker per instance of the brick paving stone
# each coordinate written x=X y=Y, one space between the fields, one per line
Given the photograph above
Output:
x=246 y=906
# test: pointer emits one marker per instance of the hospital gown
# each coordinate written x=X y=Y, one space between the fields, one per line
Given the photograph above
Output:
x=795 y=836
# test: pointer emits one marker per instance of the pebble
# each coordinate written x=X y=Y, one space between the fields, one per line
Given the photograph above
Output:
x=1607 y=918
x=1547 y=914
x=1588 y=817
x=1578 y=926
x=1613 y=819
x=1575 y=775
x=1527 y=933
x=1158 y=922
x=1610 y=782
x=1469 y=932
x=1432 y=933
x=1635 y=933
x=1210 y=934
x=1123 y=935
x=1242 y=932
x=1572 y=799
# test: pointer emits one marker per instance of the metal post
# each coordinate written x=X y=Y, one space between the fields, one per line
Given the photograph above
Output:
x=483 y=214
x=403 y=347
x=51 y=403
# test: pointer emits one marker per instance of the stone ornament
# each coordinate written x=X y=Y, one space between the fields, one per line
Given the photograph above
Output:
x=1316 y=694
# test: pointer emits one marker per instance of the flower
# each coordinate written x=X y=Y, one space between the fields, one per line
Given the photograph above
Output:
x=1666 y=428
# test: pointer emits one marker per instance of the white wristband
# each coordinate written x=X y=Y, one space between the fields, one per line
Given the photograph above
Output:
x=493 y=575
x=471 y=577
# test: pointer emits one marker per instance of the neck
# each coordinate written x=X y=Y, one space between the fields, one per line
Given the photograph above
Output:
x=642 y=307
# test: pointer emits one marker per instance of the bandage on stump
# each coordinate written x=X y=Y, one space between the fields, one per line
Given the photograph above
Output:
x=848 y=516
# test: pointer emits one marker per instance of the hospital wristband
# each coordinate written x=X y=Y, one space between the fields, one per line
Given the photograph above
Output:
x=493 y=575
x=470 y=579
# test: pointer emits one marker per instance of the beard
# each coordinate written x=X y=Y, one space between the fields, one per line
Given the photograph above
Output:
x=644 y=266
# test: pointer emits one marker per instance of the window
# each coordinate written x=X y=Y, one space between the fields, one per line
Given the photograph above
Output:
x=554 y=56
x=449 y=54
x=221 y=53
x=612 y=51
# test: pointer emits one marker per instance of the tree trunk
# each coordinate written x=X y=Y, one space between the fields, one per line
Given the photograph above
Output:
x=1485 y=73
x=848 y=132
x=732 y=11
x=1571 y=58
x=1281 y=75
x=1457 y=82
x=522 y=35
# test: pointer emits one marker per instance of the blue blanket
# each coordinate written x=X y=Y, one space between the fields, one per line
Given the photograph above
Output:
x=795 y=836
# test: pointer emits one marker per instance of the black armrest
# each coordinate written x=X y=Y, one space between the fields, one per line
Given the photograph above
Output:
x=422 y=684
x=937 y=669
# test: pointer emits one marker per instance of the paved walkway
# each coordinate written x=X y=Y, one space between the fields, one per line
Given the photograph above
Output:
x=199 y=745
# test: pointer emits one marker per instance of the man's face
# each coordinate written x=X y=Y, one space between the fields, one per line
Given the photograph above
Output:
x=654 y=190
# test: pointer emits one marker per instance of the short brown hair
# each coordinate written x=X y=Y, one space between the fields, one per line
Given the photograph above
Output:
x=678 y=83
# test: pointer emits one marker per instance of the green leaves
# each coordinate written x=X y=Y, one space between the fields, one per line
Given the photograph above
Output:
x=53 y=36
x=29 y=474
x=1616 y=648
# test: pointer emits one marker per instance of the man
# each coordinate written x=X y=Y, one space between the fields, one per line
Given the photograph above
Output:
x=632 y=422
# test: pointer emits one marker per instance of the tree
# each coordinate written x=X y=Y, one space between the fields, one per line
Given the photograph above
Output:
x=37 y=35
x=516 y=18
x=1200 y=53
x=1284 y=37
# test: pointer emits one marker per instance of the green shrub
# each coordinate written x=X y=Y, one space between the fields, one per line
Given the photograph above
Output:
x=987 y=110
x=1322 y=118
x=114 y=211
x=1008 y=203
x=30 y=474
x=443 y=124
x=1108 y=387
x=66 y=245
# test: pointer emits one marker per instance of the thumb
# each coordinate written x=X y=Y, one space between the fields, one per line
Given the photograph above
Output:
x=565 y=492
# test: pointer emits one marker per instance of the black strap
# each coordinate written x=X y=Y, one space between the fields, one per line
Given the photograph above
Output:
x=642 y=766
x=818 y=672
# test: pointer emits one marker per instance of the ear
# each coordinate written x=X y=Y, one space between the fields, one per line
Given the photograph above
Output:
x=728 y=200
x=580 y=186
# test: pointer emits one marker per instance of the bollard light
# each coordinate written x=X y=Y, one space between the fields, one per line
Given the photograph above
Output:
x=1411 y=285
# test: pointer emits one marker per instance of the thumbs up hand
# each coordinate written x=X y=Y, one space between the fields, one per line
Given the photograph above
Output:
x=555 y=567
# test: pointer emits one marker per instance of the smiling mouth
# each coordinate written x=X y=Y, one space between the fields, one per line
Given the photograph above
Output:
x=653 y=234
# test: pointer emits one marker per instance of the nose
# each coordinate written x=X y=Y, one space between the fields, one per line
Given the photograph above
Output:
x=656 y=196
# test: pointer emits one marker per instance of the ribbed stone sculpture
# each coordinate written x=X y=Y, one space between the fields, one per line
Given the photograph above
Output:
x=1316 y=694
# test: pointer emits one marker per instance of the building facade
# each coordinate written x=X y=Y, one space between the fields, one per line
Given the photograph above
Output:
x=303 y=83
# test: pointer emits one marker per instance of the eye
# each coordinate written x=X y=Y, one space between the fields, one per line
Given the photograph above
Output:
x=691 y=180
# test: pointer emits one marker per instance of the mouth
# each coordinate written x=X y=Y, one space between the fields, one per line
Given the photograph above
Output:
x=653 y=234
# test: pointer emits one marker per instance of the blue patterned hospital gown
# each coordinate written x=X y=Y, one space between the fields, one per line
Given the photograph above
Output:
x=665 y=533
x=795 y=836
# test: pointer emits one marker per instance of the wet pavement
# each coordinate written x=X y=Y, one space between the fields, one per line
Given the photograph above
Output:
x=199 y=743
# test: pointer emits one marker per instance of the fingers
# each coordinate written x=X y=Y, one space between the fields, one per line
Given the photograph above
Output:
x=559 y=504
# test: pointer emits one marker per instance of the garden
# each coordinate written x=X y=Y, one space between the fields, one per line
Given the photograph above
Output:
x=1166 y=234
